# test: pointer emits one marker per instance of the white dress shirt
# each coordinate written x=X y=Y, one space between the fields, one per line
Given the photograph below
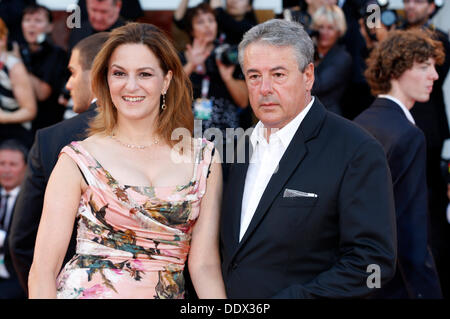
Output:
x=264 y=163
x=402 y=106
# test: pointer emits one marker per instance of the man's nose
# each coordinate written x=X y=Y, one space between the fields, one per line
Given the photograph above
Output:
x=266 y=86
x=69 y=84
x=434 y=75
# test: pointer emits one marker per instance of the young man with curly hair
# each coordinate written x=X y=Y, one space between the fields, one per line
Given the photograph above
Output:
x=400 y=72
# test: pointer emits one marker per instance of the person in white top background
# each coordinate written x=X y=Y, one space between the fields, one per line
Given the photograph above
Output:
x=13 y=163
x=401 y=71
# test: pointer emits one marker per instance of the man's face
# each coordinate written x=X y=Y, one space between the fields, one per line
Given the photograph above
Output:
x=103 y=13
x=35 y=25
x=416 y=83
x=278 y=90
x=418 y=11
x=12 y=169
x=79 y=84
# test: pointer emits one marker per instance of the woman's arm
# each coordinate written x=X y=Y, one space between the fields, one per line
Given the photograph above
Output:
x=204 y=259
x=41 y=88
x=236 y=87
x=61 y=201
x=181 y=10
x=23 y=93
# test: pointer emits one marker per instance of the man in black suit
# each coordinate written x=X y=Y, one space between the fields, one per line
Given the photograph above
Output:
x=431 y=118
x=13 y=163
x=401 y=70
x=310 y=212
x=44 y=154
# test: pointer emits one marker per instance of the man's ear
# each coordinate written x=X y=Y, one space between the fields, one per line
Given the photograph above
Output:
x=308 y=76
x=119 y=4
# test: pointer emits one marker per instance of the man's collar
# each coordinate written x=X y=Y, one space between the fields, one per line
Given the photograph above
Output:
x=402 y=106
x=14 y=192
x=286 y=133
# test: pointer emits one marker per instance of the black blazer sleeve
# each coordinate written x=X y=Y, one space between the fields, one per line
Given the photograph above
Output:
x=367 y=229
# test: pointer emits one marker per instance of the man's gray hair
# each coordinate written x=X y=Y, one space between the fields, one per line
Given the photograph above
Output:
x=281 y=33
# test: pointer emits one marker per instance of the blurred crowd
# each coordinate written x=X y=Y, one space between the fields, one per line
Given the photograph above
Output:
x=35 y=92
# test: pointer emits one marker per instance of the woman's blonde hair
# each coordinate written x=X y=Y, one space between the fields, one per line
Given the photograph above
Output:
x=333 y=14
x=178 y=111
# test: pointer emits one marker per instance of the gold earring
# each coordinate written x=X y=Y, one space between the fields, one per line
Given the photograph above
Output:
x=163 y=106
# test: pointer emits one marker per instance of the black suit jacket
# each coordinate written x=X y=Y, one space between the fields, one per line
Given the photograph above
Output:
x=404 y=145
x=311 y=247
x=41 y=161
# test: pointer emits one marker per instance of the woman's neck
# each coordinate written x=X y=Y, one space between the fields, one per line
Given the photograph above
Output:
x=322 y=50
x=136 y=132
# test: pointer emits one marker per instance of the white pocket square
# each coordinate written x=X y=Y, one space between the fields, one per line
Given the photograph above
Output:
x=294 y=193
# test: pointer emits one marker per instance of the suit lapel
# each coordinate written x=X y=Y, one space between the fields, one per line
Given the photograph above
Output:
x=293 y=156
x=236 y=186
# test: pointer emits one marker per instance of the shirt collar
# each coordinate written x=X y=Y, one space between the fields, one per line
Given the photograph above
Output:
x=285 y=134
x=14 y=192
x=402 y=106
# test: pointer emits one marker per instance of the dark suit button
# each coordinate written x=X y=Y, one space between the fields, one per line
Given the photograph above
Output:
x=234 y=266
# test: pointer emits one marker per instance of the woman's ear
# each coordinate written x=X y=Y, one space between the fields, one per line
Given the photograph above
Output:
x=167 y=80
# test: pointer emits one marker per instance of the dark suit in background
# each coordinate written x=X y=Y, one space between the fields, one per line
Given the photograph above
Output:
x=27 y=214
x=312 y=247
x=404 y=145
x=10 y=288
x=331 y=78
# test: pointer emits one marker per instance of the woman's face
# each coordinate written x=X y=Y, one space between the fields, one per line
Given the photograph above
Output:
x=136 y=81
x=204 y=26
x=328 y=34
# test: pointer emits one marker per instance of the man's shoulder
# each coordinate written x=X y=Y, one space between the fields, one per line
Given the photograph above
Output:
x=62 y=133
x=344 y=128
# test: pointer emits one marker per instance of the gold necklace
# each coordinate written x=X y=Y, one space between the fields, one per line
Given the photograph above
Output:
x=140 y=147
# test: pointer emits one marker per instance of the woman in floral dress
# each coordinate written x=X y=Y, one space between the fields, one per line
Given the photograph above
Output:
x=144 y=193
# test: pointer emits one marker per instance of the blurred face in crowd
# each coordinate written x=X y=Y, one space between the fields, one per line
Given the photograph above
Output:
x=416 y=83
x=79 y=84
x=238 y=8
x=12 y=169
x=328 y=34
x=136 y=81
x=35 y=25
x=278 y=90
x=103 y=13
x=204 y=26
x=418 y=11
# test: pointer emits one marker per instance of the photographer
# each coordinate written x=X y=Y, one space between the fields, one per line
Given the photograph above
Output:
x=45 y=63
x=233 y=20
x=332 y=62
x=219 y=89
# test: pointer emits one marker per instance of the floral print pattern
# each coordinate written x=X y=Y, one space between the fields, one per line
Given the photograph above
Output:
x=132 y=242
